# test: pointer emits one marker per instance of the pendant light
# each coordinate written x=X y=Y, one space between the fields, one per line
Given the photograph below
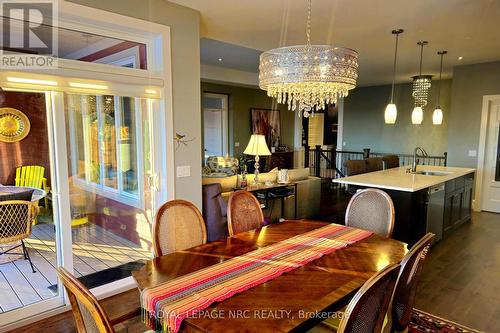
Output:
x=437 y=116
x=391 y=111
x=421 y=86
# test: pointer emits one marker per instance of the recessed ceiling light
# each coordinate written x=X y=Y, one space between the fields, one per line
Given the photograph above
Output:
x=220 y=59
x=460 y=58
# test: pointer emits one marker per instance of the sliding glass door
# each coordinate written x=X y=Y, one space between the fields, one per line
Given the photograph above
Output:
x=109 y=162
x=101 y=167
x=29 y=113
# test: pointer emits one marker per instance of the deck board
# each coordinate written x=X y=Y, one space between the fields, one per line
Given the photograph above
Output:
x=37 y=280
x=9 y=299
x=20 y=284
x=94 y=249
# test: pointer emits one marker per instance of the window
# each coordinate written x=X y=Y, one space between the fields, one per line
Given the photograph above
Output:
x=106 y=145
x=85 y=46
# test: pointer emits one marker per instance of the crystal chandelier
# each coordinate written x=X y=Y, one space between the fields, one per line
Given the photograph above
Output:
x=421 y=86
x=308 y=77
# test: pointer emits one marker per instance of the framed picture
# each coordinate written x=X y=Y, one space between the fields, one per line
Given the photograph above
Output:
x=267 y=122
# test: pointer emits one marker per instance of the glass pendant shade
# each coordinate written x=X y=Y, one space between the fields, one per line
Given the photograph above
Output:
x=417 y=115
x=391 y=113
x=437 y=117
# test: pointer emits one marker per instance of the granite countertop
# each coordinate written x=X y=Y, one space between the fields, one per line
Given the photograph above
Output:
x=398 y=178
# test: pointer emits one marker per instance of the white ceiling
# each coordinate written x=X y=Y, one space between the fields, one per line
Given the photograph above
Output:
x=467 y=28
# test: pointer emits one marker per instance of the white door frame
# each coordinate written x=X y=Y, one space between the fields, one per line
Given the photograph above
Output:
x=157 y=38
x=481 y=158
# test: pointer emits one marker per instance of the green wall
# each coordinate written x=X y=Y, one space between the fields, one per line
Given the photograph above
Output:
x=470 y=84
x=364 y=125
x=241 y=100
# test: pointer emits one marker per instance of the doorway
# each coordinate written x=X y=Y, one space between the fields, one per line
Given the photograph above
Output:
x=489 y=156
x=215 y=125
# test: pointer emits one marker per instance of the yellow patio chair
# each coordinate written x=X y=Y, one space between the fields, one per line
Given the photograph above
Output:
x=33 y=176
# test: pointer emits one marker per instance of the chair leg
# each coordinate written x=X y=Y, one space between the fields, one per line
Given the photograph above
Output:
x=27 y=256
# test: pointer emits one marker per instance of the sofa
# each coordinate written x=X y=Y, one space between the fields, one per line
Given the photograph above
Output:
x=308 y=192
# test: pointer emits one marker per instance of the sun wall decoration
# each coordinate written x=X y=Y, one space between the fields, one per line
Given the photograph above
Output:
x=14 y=125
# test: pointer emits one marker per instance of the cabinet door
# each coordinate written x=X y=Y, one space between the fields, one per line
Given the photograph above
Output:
x=456 y=209
x=447 y=214
x=466 y=206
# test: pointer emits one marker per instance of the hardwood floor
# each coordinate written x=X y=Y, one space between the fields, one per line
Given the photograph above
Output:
x=114 y=306
x=460 y=281
x=461 y=277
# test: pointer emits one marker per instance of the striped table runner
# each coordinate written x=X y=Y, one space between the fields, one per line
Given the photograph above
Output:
x=166 y=305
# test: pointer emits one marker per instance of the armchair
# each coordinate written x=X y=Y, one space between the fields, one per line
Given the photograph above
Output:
x=16 y=218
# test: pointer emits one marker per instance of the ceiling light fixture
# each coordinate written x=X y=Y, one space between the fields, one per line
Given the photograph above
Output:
x=31 y=81
x=437 y=116
x=460 y=58
x=391 y=111
x=421 y=86
x=308 y=77
x=220 y=59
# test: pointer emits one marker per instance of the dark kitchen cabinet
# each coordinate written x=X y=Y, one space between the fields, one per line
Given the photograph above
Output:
x=458 y=202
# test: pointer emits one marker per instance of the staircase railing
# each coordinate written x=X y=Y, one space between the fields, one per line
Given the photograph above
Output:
x=329 y=163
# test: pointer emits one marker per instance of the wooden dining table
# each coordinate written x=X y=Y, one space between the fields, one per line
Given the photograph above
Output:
x=292 y=302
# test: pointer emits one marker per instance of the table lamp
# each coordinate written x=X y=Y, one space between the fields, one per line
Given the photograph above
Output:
x=257 y=147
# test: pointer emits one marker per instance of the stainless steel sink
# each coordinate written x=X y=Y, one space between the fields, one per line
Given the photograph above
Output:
x=432 y=173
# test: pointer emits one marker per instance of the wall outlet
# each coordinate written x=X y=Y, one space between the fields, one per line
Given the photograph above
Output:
x=236 y=144
x=183 y=171
x=472 y=153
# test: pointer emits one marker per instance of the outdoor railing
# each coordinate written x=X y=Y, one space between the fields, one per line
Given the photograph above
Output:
x=329 y=163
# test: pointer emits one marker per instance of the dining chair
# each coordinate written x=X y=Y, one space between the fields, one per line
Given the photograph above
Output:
x=89 y=315
x=243 y=212
x=178 y=225
x=355 y=167
x=374 y=164
x=366 y=311
x=406 y=286
x=16 y=219
x=352 y=168
x=392 y=161
x=371 y=209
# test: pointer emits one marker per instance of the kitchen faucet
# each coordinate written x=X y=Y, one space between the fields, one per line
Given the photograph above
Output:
x=415 y=160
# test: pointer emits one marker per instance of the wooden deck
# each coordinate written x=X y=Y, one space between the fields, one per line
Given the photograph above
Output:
x=94 y=249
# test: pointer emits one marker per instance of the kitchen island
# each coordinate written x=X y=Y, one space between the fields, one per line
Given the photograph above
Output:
x=433 y=199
